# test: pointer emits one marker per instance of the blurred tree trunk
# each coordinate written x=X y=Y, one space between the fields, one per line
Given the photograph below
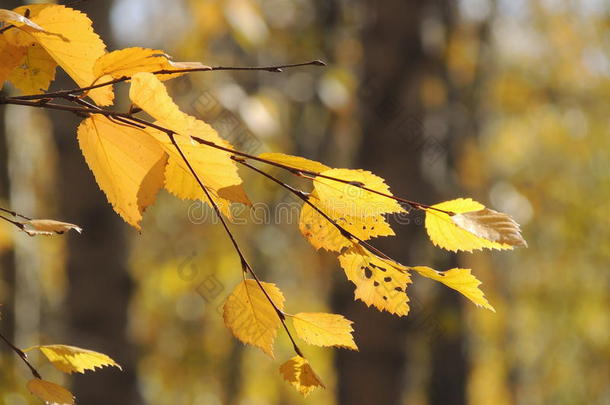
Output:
x=393 y=144
x=99 y=283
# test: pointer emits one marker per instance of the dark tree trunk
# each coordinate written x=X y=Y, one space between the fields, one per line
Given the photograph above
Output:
x=100 y=285
x=393 y=143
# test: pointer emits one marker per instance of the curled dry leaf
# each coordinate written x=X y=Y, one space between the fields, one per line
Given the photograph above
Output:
x=491 y=225
x=50 y=393
x=47 y=227
x=11 y=17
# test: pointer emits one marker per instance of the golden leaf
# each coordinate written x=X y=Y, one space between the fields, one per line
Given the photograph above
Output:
x=460 y=280
x=70 y=359
x=323 y=234
x=457 y=234
x=129 y=61
x=351 y=200
x=35 y=72
x=50 y=393
x=299 y=373
x=12 y=56
x=323 y=329
x=295 y=162
x=250 y=316
x=69 y=38
x=126 y=162
x=379 y=282
x=214 y=167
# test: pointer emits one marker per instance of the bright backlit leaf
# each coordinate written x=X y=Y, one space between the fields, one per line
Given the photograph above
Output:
x=12 y=56
x=250 y=316
x=214 y=167
x=321 y=233
x=460 y=280
x=129 y=61
x=50 y=393
x=126 y=162
x=69 y=38
x=322 y=329
x=295 y=162
x=70 y=359
x=351 y=199
x=449 y=234
x=379 y=282
x=299 y=373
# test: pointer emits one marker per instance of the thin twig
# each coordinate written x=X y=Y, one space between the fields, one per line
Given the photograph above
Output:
x=23 y=357
x=244 y=262
x=301 y=195
x=80 y=90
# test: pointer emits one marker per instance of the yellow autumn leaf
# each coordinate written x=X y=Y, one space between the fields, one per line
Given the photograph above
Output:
x=469 y=231
x=323 y=329
x=214 y=167
x=126 y=162
x=295 y=162
x=69 y=38
x=379 y=282
x=148 y=93
x=251 y=317
x=299 y=373
x=35 y=72
x=129 y=61
x=70 y=359
x=351 y=200
x=322 y=234
x=50 y=393
x=460 y=280
x=12 y=56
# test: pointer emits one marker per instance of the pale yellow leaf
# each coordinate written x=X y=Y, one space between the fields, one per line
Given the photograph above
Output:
x=322 y=329
x=251 y=317
x=460 y=280
x=126 y=162
x=379 y=282
x=295 y=162
x=129 y=61
x=50 y=393
x=70 y=359
x=35 y=72
x=352 y=200
x=321 y=233
x=299 y=373
x=448 y=234
x=69 y=38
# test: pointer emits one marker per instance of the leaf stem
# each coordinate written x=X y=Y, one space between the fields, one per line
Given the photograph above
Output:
x=23 y=357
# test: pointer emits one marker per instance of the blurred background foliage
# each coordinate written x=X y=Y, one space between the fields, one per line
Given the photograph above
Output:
x=501 y=100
